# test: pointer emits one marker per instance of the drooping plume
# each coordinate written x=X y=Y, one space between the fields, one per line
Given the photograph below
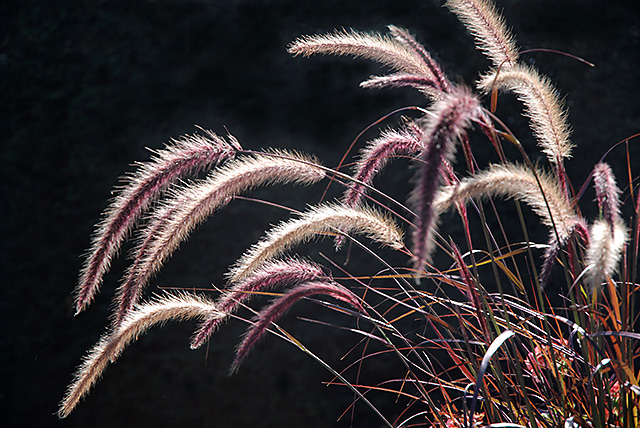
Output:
x=489 y=29
x=401 y=53
x=604 y=252
x=451 y=116
x=188 y=155
x=279 y=306
x=270 y=276
x=545 y=111
x=607 y=193
x=110 y=346
x=375 y=156
x=323 y=219
x=607 y=236
x=543 y=195
x=382 y=49
x=191 y=204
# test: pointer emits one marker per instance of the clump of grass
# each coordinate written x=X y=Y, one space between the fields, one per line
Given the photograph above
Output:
x=485 y=330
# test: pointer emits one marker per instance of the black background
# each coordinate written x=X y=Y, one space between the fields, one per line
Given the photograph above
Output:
x=85 y=86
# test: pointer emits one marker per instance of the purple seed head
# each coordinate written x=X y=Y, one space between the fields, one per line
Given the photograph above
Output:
x=607 y=193
x=280 y=306
x=273 y=275
x=451 y=117
x=188 y=155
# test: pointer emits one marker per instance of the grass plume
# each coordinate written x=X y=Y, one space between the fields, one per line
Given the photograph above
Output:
x=607 y=193
x=192 y=204
x=537 y=189
x=279 y=306
x=543 y=108
x=375 y=156
x=185 y=156
x=604 y=252
x=110 y=346
x=270 y=276
x=451 y=117
x=323 y=219
x=383 y=49
x=489 y=29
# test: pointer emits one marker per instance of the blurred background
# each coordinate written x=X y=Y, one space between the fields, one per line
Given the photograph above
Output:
x=87 y=86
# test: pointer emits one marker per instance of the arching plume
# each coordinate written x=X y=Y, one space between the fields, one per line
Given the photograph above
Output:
x=377 y=153
x=382 y=49
x=279 y=306
x=546 y=199
x=489 y=29
x=401 y=53
x=318 y=220
x=270 y=276
x=188 y=155
x=450 y=118
x=194 y=203
x=543 y=108
x=168 y=307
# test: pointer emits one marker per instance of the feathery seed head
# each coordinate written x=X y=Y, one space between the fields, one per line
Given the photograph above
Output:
x=542 y=194
x=382 y=49
x=316 y=221
x=178 y=307
x=489 y=29
x=375 y=156
x=182 y=157
x=604 y=251
x=546 y=199
x=272 y=275
x=451 y=116
x=544 y=109
x=280 y=306
x=194 y=202
x=607 y=193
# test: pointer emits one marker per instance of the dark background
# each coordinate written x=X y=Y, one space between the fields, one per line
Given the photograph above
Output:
x=87 y=85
